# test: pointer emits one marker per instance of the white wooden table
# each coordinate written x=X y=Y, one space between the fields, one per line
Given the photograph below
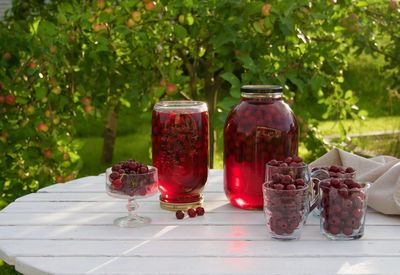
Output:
x=67 y=229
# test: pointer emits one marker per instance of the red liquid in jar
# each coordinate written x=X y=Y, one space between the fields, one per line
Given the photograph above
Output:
x=256 y=131
x=180 y=152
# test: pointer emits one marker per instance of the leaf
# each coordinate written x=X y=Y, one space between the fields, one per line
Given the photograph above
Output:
x=248 y=62
x=231 y=78
x=40 y=92
x=297 y=81
x=47 y=28
x=180 y=32
x=125 y=102
x=317 y=82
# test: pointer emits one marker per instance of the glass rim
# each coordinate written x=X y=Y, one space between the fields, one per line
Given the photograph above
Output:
x=182 y=105
x=305 y=165
x=341 y=166
x=154 y=170
x=364 y=185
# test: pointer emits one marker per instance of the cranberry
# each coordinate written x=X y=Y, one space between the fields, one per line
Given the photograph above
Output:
x=114 y=175
x=335 y=183
x=299 y=182
x=191 y=212
x=180 y=214
x=357 y=202
x=297 y=159
x=116 y=168
x=357 y=212
x=353 y=223
x=117 y=184
x=349 y=170
x=288 y=160
x=283 y=164
x=286 y=179
x=276 y=178
x=291 y=187
x=334 y=230
x=344 y=214
x=348 y=231
x=143 y=169
x=347 y=204
x=334 y=168
x=344 y=192
x=200 y=211
x=279 y=186
x=334 y=220
x=273 y=162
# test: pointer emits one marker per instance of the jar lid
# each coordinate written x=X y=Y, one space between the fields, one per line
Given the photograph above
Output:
x=261 y=89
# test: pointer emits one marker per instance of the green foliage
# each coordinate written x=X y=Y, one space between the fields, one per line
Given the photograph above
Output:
x=65 y=59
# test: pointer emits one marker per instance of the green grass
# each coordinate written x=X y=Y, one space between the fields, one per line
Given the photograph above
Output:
x=6 y=269
x=135 y=146
x=379 y=145
x=371 y=124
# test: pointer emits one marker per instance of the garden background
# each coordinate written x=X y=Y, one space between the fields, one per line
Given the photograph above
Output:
x=78 y=79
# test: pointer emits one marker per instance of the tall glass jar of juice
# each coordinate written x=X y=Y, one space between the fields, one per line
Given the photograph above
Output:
x=261 y=127
x=180 y=152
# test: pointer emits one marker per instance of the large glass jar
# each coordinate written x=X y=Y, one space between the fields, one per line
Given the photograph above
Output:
x=261 y=127
x=180 y=152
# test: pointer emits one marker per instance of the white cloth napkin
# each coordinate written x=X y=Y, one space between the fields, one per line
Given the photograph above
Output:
x=383 y=172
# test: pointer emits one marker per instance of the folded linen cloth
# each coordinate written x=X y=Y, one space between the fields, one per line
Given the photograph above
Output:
x=383 y=172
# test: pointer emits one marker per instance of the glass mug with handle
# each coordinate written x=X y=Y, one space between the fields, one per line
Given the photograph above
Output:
x=288 y=199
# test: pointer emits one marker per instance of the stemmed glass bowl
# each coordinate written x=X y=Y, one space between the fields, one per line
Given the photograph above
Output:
x=131 y=187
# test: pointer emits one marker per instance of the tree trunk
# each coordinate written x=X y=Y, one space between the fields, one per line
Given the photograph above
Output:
x=110 y=133
x=211 y=91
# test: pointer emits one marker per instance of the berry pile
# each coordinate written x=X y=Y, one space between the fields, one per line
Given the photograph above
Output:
x=199 y=211
x=286 y=196
x=336 y=171
x=343 y=206
x=295 y=161
x=132 y=178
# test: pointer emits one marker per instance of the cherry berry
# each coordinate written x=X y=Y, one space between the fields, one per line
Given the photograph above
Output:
x=180 y=214
x=191 y=212
x=200 y=211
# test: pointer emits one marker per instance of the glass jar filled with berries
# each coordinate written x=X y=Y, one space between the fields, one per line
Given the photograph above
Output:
x=180 y=152
x=261 y=127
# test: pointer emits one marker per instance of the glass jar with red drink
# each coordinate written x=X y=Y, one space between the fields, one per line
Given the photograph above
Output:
x=180 y=152
x=261 y=127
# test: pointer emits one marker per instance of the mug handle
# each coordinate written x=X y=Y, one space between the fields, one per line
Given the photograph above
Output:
x=316 y=177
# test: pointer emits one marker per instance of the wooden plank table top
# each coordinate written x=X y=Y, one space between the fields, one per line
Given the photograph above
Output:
x=67 y=229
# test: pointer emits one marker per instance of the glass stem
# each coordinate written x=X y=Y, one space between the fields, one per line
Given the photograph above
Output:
x=132 y=206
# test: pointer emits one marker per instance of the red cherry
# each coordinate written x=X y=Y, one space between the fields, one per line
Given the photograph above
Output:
x=117 y=184
x=200 y=211
x=42 y=127
x=10 y=99
x=191 y=212
x=349 y=170
x=334 y=230
x=279 y=186
x=180 y=214
x=291 y=187
x=288 y=160
x=114 y=175
x=287 y=179
x=297 y=159
x=357 y=212
x=348 y=231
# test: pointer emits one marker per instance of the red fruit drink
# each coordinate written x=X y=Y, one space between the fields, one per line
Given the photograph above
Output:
x=260 y=128
x=180 y=152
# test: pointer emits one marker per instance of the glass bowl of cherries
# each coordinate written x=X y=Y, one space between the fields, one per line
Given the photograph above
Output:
x=130 y=180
